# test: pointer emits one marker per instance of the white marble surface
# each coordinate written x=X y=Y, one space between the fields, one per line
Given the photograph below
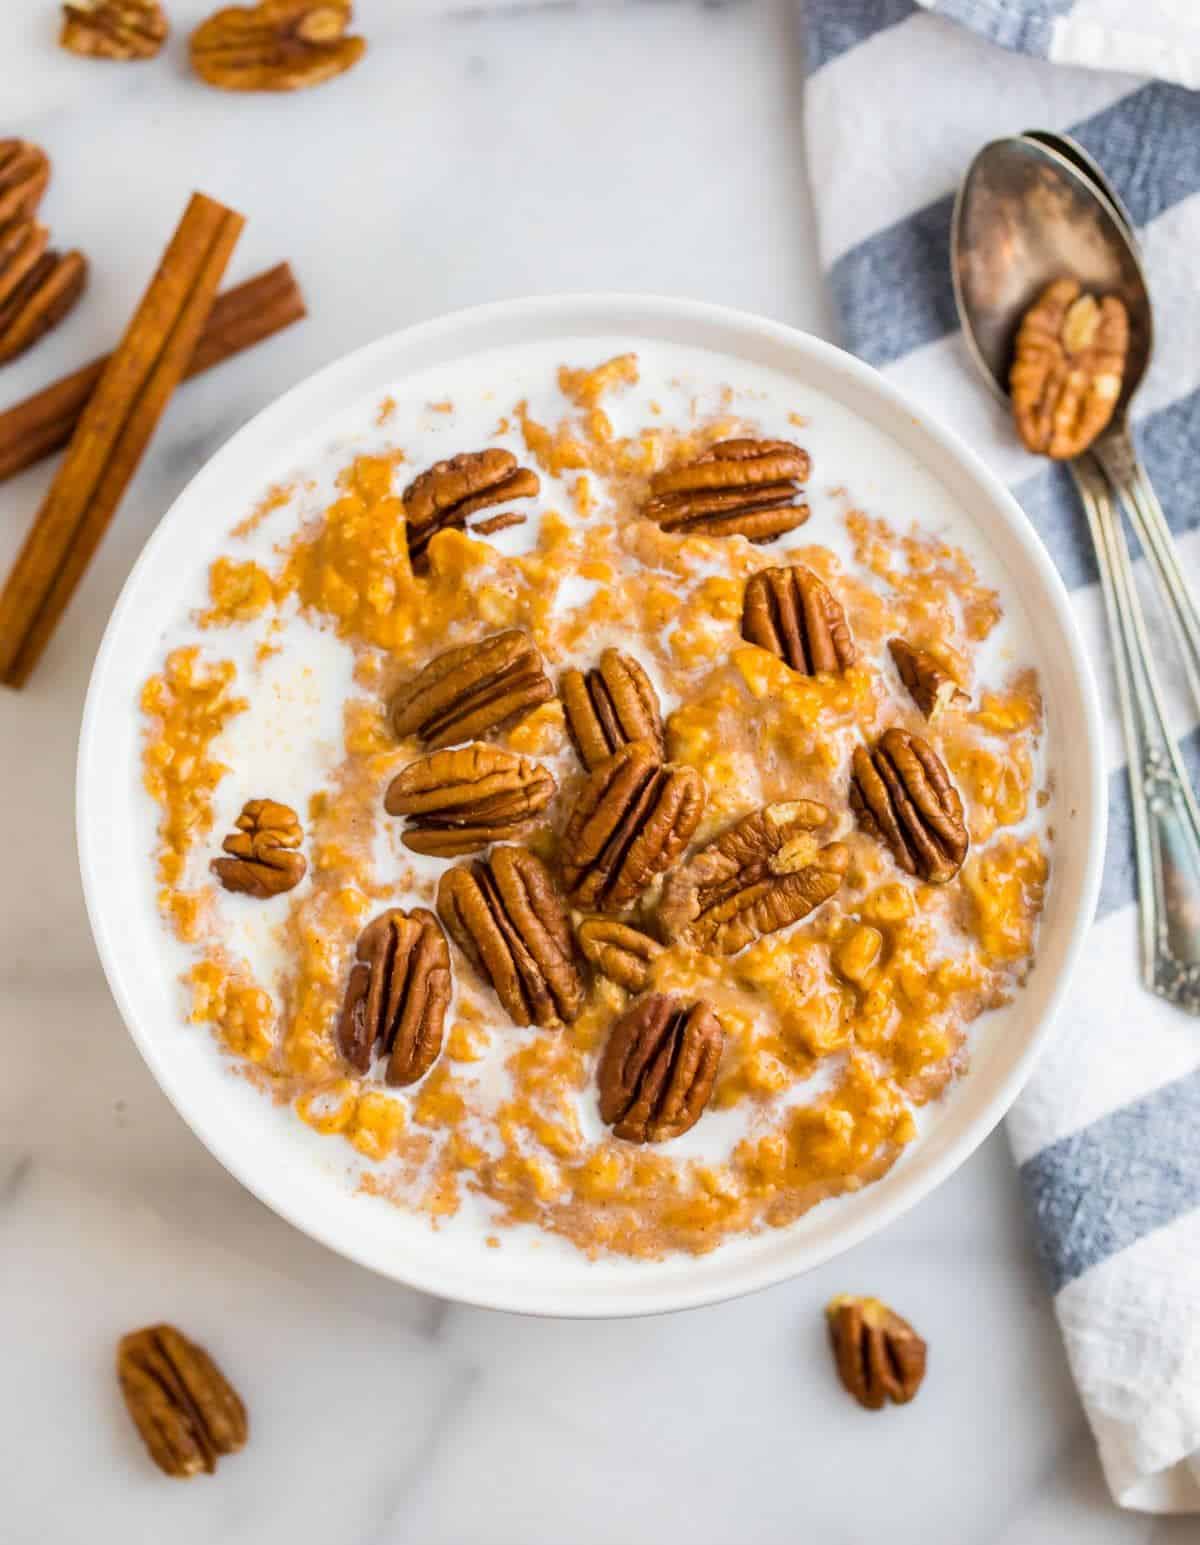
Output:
x=654 y=147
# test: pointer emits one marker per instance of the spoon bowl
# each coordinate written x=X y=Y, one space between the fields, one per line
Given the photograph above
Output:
x=1027 y=214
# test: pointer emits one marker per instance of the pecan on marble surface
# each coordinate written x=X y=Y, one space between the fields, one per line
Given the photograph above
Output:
x=608 y=706
x=761 y=874
x=38 y=286
x=24 y=175
x=902 y=795
x=795 y=615
x=397 y=995
x=187 y=1412
x=747 y=488
x=632 y=819
x=113 y=29
x=623 y=954
x=929 y=683
x=1068 y=368
x=508 y=919
x=262 y=858
x=446 y=495
x=458 y=801
x=280 y=45
x=658 y=1068
x=879 y=1356
x=472 y=690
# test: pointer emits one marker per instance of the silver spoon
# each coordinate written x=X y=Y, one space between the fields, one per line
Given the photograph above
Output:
x=1033 y=208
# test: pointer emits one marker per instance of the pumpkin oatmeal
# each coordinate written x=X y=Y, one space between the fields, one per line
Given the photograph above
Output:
x=626 y=816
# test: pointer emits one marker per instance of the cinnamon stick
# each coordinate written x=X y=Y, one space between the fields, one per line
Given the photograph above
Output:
x=113 y=431
x=240 y=318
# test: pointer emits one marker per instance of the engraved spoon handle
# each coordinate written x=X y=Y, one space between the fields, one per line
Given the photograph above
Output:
x=1117 y=455
x=1166 y=821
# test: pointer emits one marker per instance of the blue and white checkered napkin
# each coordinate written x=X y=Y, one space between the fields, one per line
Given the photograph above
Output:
x=900 y=97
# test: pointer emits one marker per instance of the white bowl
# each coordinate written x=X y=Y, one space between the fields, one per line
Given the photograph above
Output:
x=297 y=1173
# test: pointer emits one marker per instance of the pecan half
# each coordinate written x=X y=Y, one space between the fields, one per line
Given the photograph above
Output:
x=472 y=690
x=1068 y=368
x=879 y=1356
x=763 y=873
x=113 y=29
x=24 y=174
x=280 y=45
x=37 y=287
x=397 y=995
x=796 y=616
x=610 y=705
x=902 y=795
x=446 y=496
x=622 y=954
x=632 y=819
x=262 y=860
x=658 y=1068
x=509 y=921
x=930 y=685
x=744 y=488
x=461 y=800
x=186 y=1410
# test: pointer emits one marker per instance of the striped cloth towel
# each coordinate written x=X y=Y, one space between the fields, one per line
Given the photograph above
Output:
x=1107 y=1135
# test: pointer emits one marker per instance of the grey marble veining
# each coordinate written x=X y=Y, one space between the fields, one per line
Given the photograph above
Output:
x=652 y=147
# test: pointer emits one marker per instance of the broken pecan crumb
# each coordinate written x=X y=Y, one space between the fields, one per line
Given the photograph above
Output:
x=621 y=953
x=509 y=921
x=879 y=1356
x=445 y=497
x=113 y=29
x=658 y=1068
x=738 y=487
x=609 y=706
x=795 y=615
x=472 y=690
x=397 y=995
x=458 y=801
x=930 y=685
x=262 y=860
x=632 y=819
x=280 y=45
x=763 y=873
x=1068 y=368
x=187 y=1412
x=902 y=795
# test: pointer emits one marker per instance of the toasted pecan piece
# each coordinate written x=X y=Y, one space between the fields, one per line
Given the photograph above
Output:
x=658 y=1068
x=879 y=1356
x=446 y=495
x=261 y=857
x=24 y=176
x=280 y=45
x=610 y=705
x=472 y=690
x=38 y=287
x=186 y=1410
x=930 y=685
x=738 y=487
x=795 y=615
x=761 y=874
x=632 y=819
x=1068 y=368
x=113 y=29
x=509 y=921
x=902 y=795
x=397 y=995
x=621 y=953
x=458 y=801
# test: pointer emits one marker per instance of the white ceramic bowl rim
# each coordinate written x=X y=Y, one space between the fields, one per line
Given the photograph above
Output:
x=593 y=1289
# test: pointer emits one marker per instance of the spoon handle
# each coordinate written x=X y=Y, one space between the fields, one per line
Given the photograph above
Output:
x=1116 y=454
x=1166 y=821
